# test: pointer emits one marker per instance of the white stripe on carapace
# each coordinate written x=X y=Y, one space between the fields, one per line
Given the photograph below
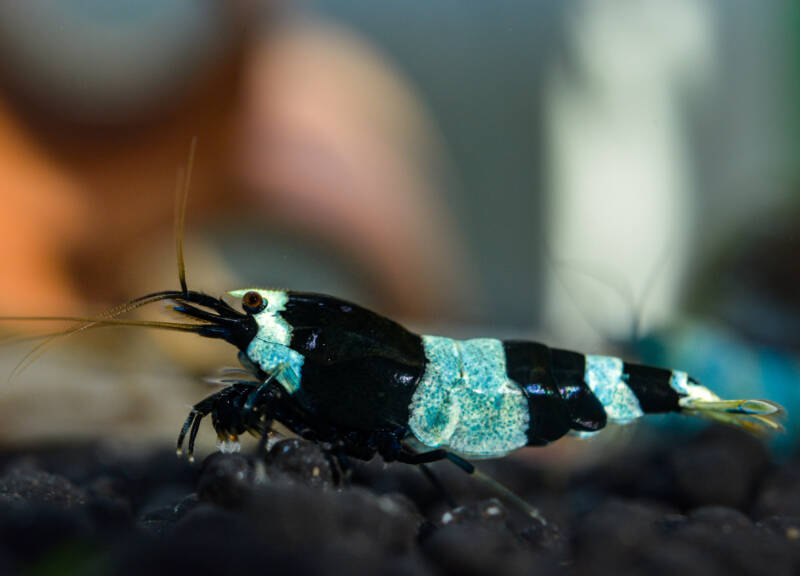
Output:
x=465 y=401
x=605 y=377
x=270 y=347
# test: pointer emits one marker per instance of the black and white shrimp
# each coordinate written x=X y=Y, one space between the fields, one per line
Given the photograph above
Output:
x=335 y=372
x=339 y=374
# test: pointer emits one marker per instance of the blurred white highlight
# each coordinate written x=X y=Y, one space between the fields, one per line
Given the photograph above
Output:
x=621 y=184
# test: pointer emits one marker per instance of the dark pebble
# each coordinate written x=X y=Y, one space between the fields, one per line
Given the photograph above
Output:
x=658 y=558
x=485 y=537
x=510 y=523
x=110 y=516
x=25 y=484
x=737 y=545
x=787 y=527
x=302 y=461
x=727 y=520
x=721 y=467
x=208 y=540
x=159 y=521
x=352 y=520
x=225 y=479
x=467 y=549
x=617 y=528
x=779 y=494
x=29 y=532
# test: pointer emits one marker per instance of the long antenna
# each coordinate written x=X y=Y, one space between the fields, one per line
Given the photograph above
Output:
x=181 y=198
x=51 y=339
x=94 y=322
x=180 y=212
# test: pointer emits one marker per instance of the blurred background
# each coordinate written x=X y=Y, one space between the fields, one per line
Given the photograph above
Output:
x=605 y=176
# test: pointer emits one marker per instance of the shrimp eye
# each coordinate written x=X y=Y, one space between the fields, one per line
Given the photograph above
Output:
x=253 y=302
